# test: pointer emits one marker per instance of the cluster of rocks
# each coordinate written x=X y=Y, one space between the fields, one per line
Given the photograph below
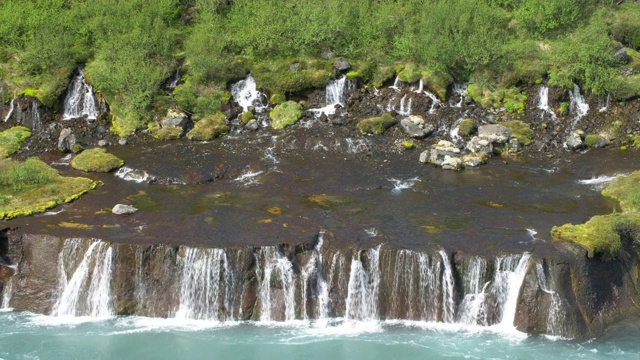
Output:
x=476 y=151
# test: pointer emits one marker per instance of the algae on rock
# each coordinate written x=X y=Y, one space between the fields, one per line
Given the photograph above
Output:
x=96 y=160
x=209 y=128
x=285 y=114
x=376 y=125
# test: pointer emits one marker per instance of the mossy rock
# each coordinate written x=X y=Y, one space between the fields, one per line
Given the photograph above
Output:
x=408 y=145
x=32 y=187
x=11 y=140
x=376 y=125
x=597 y=236
x=276 y=76
x=96 y=160
x=595 y=141
x=519 y=130
x=564 y=109
x=276 y=99
x=626 y=191
x=489 y=95
x=166 y=132
x=285 y=114
x=467 y=127
x=210 y=128
x=246 y=117
x=410 y=74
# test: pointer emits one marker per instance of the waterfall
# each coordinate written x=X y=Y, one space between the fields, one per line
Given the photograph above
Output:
x=7 y=293
x=603 y=105
x=405 y=107
x=174 y=79
x=336 y=95
x=543 y=101
x=510 y=274
x=204 y=285
x=577 y=104
x=276 y=284
x=472 y=310
x=88 y=292
x=420 y=87
x=35 y=115
x=416 y=286
x=391 y=104
x=246 y=94
x=80 y=100
x=448 y=288
x=396 y=84
x=363 y=288
x=313 y=283
x=556 y=318
x=461 y=91
x=11 y=107
x=434 y=101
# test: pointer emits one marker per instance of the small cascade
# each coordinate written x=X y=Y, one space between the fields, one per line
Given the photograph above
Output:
x=420 y=88
x=276 y=286
x=138 y=176
x=556 y=319
x=314 y=285
x=246 y=94
x=174 y=80
x=10 y=112
x=364 y=286
x=603 y=103
x=397 y=84
x=472 y=310
x=80 y=100
x=7 y=293
x=459 y=90
x=36 y=123
x=454 y=132
x=435 y=102
x=336 y=95
x=405 y=105
x=543 y=101
x=357 y=146
x=577 y=104
x=510 y=274
x=448 y=290
x=391 y=105
x=88 y=292
x=204 y=285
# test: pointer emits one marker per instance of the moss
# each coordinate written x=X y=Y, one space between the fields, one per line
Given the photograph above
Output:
x=564 y=109
x=277 y=99
x=437 y=82
x=326 y=202
x=353 y=75
x=246 y=117
x=210 y=128
x=76 y=148
x=467 y=127
x=376 y=125
x=593 y=140
x=11 y=140
x=410 y=73
x=285 y=114
x=519 y=130
x=40 y=188
x=626 y=191
x=408 y=145
x=489 y=95
x=597 y=236
x=628 y=87
x=96 y=160
x=277 y=76
x=166 y=132
x=124 y=126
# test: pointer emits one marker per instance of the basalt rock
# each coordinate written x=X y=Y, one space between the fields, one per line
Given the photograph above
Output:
x=497 y=134
x=416 y=127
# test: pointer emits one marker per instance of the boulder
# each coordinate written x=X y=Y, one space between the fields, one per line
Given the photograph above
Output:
x=575 y=140
x=480 y=146
x=474 y=160
x=175 y=119
x=514 y=146
x=66 y=140
x=326 y=53
x=121 y=209
x=252 y=125
x=103 y=143
x=341 y=64
x=622 y=56
x=416 y=127
x=497 y=134
x=441 y=151
x=451 y=163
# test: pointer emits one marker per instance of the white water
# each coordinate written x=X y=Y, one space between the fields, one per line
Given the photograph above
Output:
x=275 y=269
x=448 y=301
x=80 y=100
x=336 y=95
x=512 y=278
x=598 y=183
x=543 y=101
x=435 y=102
x=246 y=94
x=175 y=79
x=454 y=132
x=7 y=293
x=403 y=184
x=472 y=310
x=11 y=108
x=420 y=87
x=364 y=285
x=204 y=285
x=138 y=176
x=396 y=84
x=556 y=319
x=577 y=105
x=459 y=90
x=249 y=177
x=95 y=271
x=357 y=146
x=604 y=106
x=405 y=105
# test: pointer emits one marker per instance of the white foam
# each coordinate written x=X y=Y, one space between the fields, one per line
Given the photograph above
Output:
x=134 y=175
x=249 y=177
x=598 y=183
x=403 y=184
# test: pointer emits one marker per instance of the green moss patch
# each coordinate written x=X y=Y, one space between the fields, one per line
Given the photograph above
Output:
x=292 y=75
x=467 y=127
x=33 y=187
x=410 y=74
x=246 y=117
x=11 y=140
x=376 y=125
x=285 y=114
x=210 y=128
x=489 y=95
x=96 y=160
x=519 y=130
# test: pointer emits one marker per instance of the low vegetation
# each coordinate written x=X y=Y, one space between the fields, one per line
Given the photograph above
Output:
x=96 y=160
x=11 y=140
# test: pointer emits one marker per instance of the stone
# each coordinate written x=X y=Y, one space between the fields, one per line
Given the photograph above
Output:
x=575 y=140
x=341 y=64
x=480 y=146
x=121 y=209
x=473 y=160
x=122 y=141
x=66 y=140
x=415 y=126
x=424 y=157
x=451 y=163
x=496 y=134
x=326 y=53
x=252 y=125
x=175 y=119
x=622 y=56
x=514 y=146
x=441 y=151
x=103 y=143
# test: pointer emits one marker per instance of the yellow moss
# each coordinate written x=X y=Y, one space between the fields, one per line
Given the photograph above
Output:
x=74 y=225
x=265 y=221
x=275 y=211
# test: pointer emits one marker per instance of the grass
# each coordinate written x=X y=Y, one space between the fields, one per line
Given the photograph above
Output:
x=96 y=160
x=11 y=140
x=32 y=187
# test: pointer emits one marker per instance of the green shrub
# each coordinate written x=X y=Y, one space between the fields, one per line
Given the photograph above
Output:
x=20 y=175
x=96 y=160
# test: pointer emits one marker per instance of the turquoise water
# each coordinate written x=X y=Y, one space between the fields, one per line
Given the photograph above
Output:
x=27 y=336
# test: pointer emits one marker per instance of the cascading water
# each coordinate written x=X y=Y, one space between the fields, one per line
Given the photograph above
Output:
x=510 y=274
x=336 y=95
x=603 y=103
x=556 y=319
x=313 y=282
x=246 y=94
x=276 y=285
x=577 y=105
x=204 y=285
x=10 y=112
x=364 y=286
x=80 y=100
x=448 y=288
x=435 y=102
x=459 y=90
x=88 y=292
x=543 y=101
x=7 y=293
x=405 y=105
x=396 y=84
x=472 y=309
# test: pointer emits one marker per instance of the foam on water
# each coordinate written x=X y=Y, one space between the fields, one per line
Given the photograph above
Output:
x=249 y=177
x=403 y=184
x=134 y=175
x=598 y=183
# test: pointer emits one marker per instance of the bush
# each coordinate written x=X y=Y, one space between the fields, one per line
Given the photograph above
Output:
x=20 y=175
